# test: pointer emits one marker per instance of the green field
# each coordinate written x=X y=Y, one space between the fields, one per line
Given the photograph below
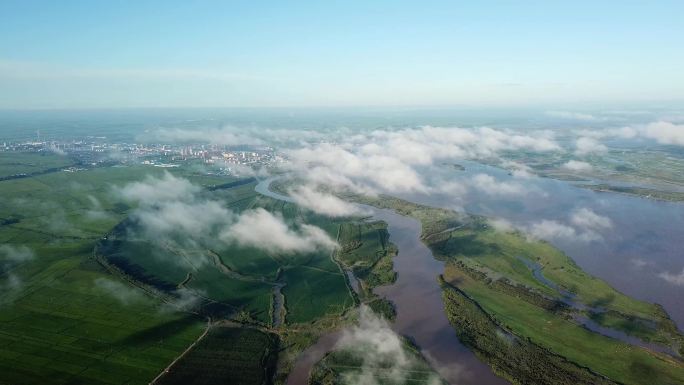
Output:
x=12 y=164
x=63 y=317
x=227 y=355
x=84 y=309
x=62 y=328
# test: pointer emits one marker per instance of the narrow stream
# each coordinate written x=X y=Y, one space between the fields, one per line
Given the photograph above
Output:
x=420 y=311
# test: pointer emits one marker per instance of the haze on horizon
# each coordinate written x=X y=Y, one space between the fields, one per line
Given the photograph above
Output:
x=81 y=54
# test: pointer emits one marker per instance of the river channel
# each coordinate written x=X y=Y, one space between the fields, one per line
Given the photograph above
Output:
x=418 y=300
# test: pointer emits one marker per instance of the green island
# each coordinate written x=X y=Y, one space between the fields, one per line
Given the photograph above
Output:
x=519 y=304
x=669 y=196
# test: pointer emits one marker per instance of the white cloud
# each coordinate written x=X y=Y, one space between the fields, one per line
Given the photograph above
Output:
x=586 y=219
x=585 y=226
x=323 y=203
x=490 y=186
x=119 y=291
x=383 y=161
x=378 y=347
x=336 y=165
x=553 y=230
x=502 y=225
x=675 y=279
x=183 y=300
x=10 y=255
x=194 y=220
x=16 y=253
x=588 y=146
x=172 y=210
x=154 y=190
x=259 y=228
x=665 y=132
x=518 y=170
x=577 y=165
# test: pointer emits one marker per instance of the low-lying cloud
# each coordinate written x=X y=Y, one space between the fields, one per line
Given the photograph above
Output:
x=323 y=203
x=381 y=351
x=665 y=133
x=10 y=256
x=387 y=161
x=260 y=229
x=489 y=185
x=577 y=166
x=15 y=254
x=589 y=146
x=180 y=213
x=588 y=220
x=121 y=292
x=153 y=190
x=675 y=279
x=583 y=225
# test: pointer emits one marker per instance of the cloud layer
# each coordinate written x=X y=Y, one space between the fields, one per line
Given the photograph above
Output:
x=583 y=225
x=263 y=230
x=172 y=210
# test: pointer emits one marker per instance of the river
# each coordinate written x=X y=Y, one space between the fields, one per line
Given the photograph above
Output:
x=418 y=300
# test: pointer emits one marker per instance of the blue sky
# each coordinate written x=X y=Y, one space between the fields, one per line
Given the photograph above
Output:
x=94 y=54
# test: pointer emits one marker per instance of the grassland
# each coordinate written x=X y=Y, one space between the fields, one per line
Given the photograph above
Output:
x=490 y=290
x=227 y=355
